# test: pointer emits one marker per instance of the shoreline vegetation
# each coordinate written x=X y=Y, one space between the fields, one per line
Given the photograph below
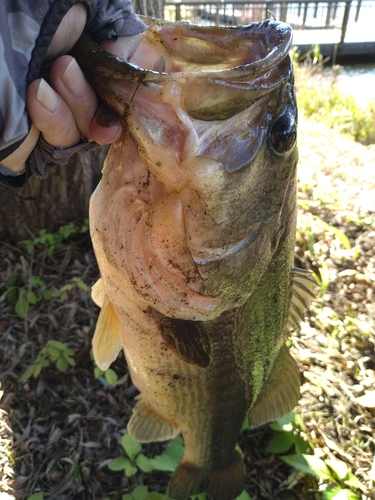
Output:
x=63 y=421
x=319 y=97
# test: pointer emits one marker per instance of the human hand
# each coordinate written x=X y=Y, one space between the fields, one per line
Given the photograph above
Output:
x=68 y=108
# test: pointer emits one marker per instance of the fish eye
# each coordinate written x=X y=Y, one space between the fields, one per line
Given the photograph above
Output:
x=283 y=134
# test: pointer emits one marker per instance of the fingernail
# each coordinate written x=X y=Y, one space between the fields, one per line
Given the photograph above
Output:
x=47 y=97
x=74 y=80
x=116 y=132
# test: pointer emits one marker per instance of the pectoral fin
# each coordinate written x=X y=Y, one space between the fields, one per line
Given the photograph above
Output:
x=303 y=291
x=280 y=393
x=98 y=293
x=189 y=339
x=146 y=426
x=107 y=337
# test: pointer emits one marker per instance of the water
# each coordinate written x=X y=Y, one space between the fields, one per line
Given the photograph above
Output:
x=358 y=80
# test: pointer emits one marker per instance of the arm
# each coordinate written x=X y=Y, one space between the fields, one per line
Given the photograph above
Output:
x=64 y=110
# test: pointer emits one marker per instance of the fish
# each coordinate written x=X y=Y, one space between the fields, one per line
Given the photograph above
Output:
x=193 y=227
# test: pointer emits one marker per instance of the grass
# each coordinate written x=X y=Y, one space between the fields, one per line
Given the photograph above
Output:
x=63 y=430
x=318 y=96
x=63 y=427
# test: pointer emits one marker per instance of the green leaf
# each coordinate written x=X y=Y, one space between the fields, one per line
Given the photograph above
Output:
x=175 y=448
x=130 y=470
x=127 y=496
x=36 y=281
x=143 y=463
x=331 y=491
x=54 y=353
x=118 y=463
x=29 y=244
x=284 y=423
x=245 y=425
x=62 y=364
x=351 y=480
x=71 y=361
x=340 y=235
x=67 y=230
x=12 y=280
x=131 y=447
x=38 y=368
x=85 y=226
x=164 y=463
x=22 y=305
x=11 y=294
x=32 y=298
x=244 y=496
x=310 y=464
x=27 y=373
x=111 y=377
x=80 y=284
x=300 y=445
x=339 y=468
x=287 y=419
x=140 y=492
x=98 y=372
x=170 y=457
x=152 y=495
x=299 y=421
x=281 y=442
x=36 y=496
x=335 y=492
x=56 y=343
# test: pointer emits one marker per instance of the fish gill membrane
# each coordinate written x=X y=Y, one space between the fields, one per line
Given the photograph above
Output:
x=193 y=226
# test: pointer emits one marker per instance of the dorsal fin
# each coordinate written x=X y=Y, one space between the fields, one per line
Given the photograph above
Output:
x=280 y=393
x=98 y=293
x=303 y=291
x=188 y=338
x=106 y=343
x=145 y=425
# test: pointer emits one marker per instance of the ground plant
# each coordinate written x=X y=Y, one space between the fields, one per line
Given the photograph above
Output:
x=319 y=96
x=63 y=420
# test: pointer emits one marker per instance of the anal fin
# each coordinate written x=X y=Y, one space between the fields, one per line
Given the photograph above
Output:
x=280 y=393
x=106 y=343
x=145 y=425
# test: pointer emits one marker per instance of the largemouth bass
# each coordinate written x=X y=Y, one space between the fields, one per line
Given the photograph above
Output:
x=193 y=227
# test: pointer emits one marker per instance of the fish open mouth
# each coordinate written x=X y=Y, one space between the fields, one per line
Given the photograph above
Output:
x=179 y=47
x=224 y=68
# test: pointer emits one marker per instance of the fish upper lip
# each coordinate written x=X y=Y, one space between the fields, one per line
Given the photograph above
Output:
x=89 y=53
x=208 y=255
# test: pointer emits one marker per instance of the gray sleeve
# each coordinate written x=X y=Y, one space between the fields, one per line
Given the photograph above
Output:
x=26 y=30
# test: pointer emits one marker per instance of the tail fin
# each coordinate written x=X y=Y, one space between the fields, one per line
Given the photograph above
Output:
x=220 y=484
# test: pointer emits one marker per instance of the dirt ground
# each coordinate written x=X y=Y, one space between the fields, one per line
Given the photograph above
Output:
x=58 y=431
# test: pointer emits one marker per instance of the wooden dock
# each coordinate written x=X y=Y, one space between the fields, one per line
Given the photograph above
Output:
x=343 y=28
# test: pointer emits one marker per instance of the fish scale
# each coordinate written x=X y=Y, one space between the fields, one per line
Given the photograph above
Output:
x=193 y=226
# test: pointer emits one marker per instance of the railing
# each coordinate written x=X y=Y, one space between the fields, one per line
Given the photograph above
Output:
x=332 y=20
